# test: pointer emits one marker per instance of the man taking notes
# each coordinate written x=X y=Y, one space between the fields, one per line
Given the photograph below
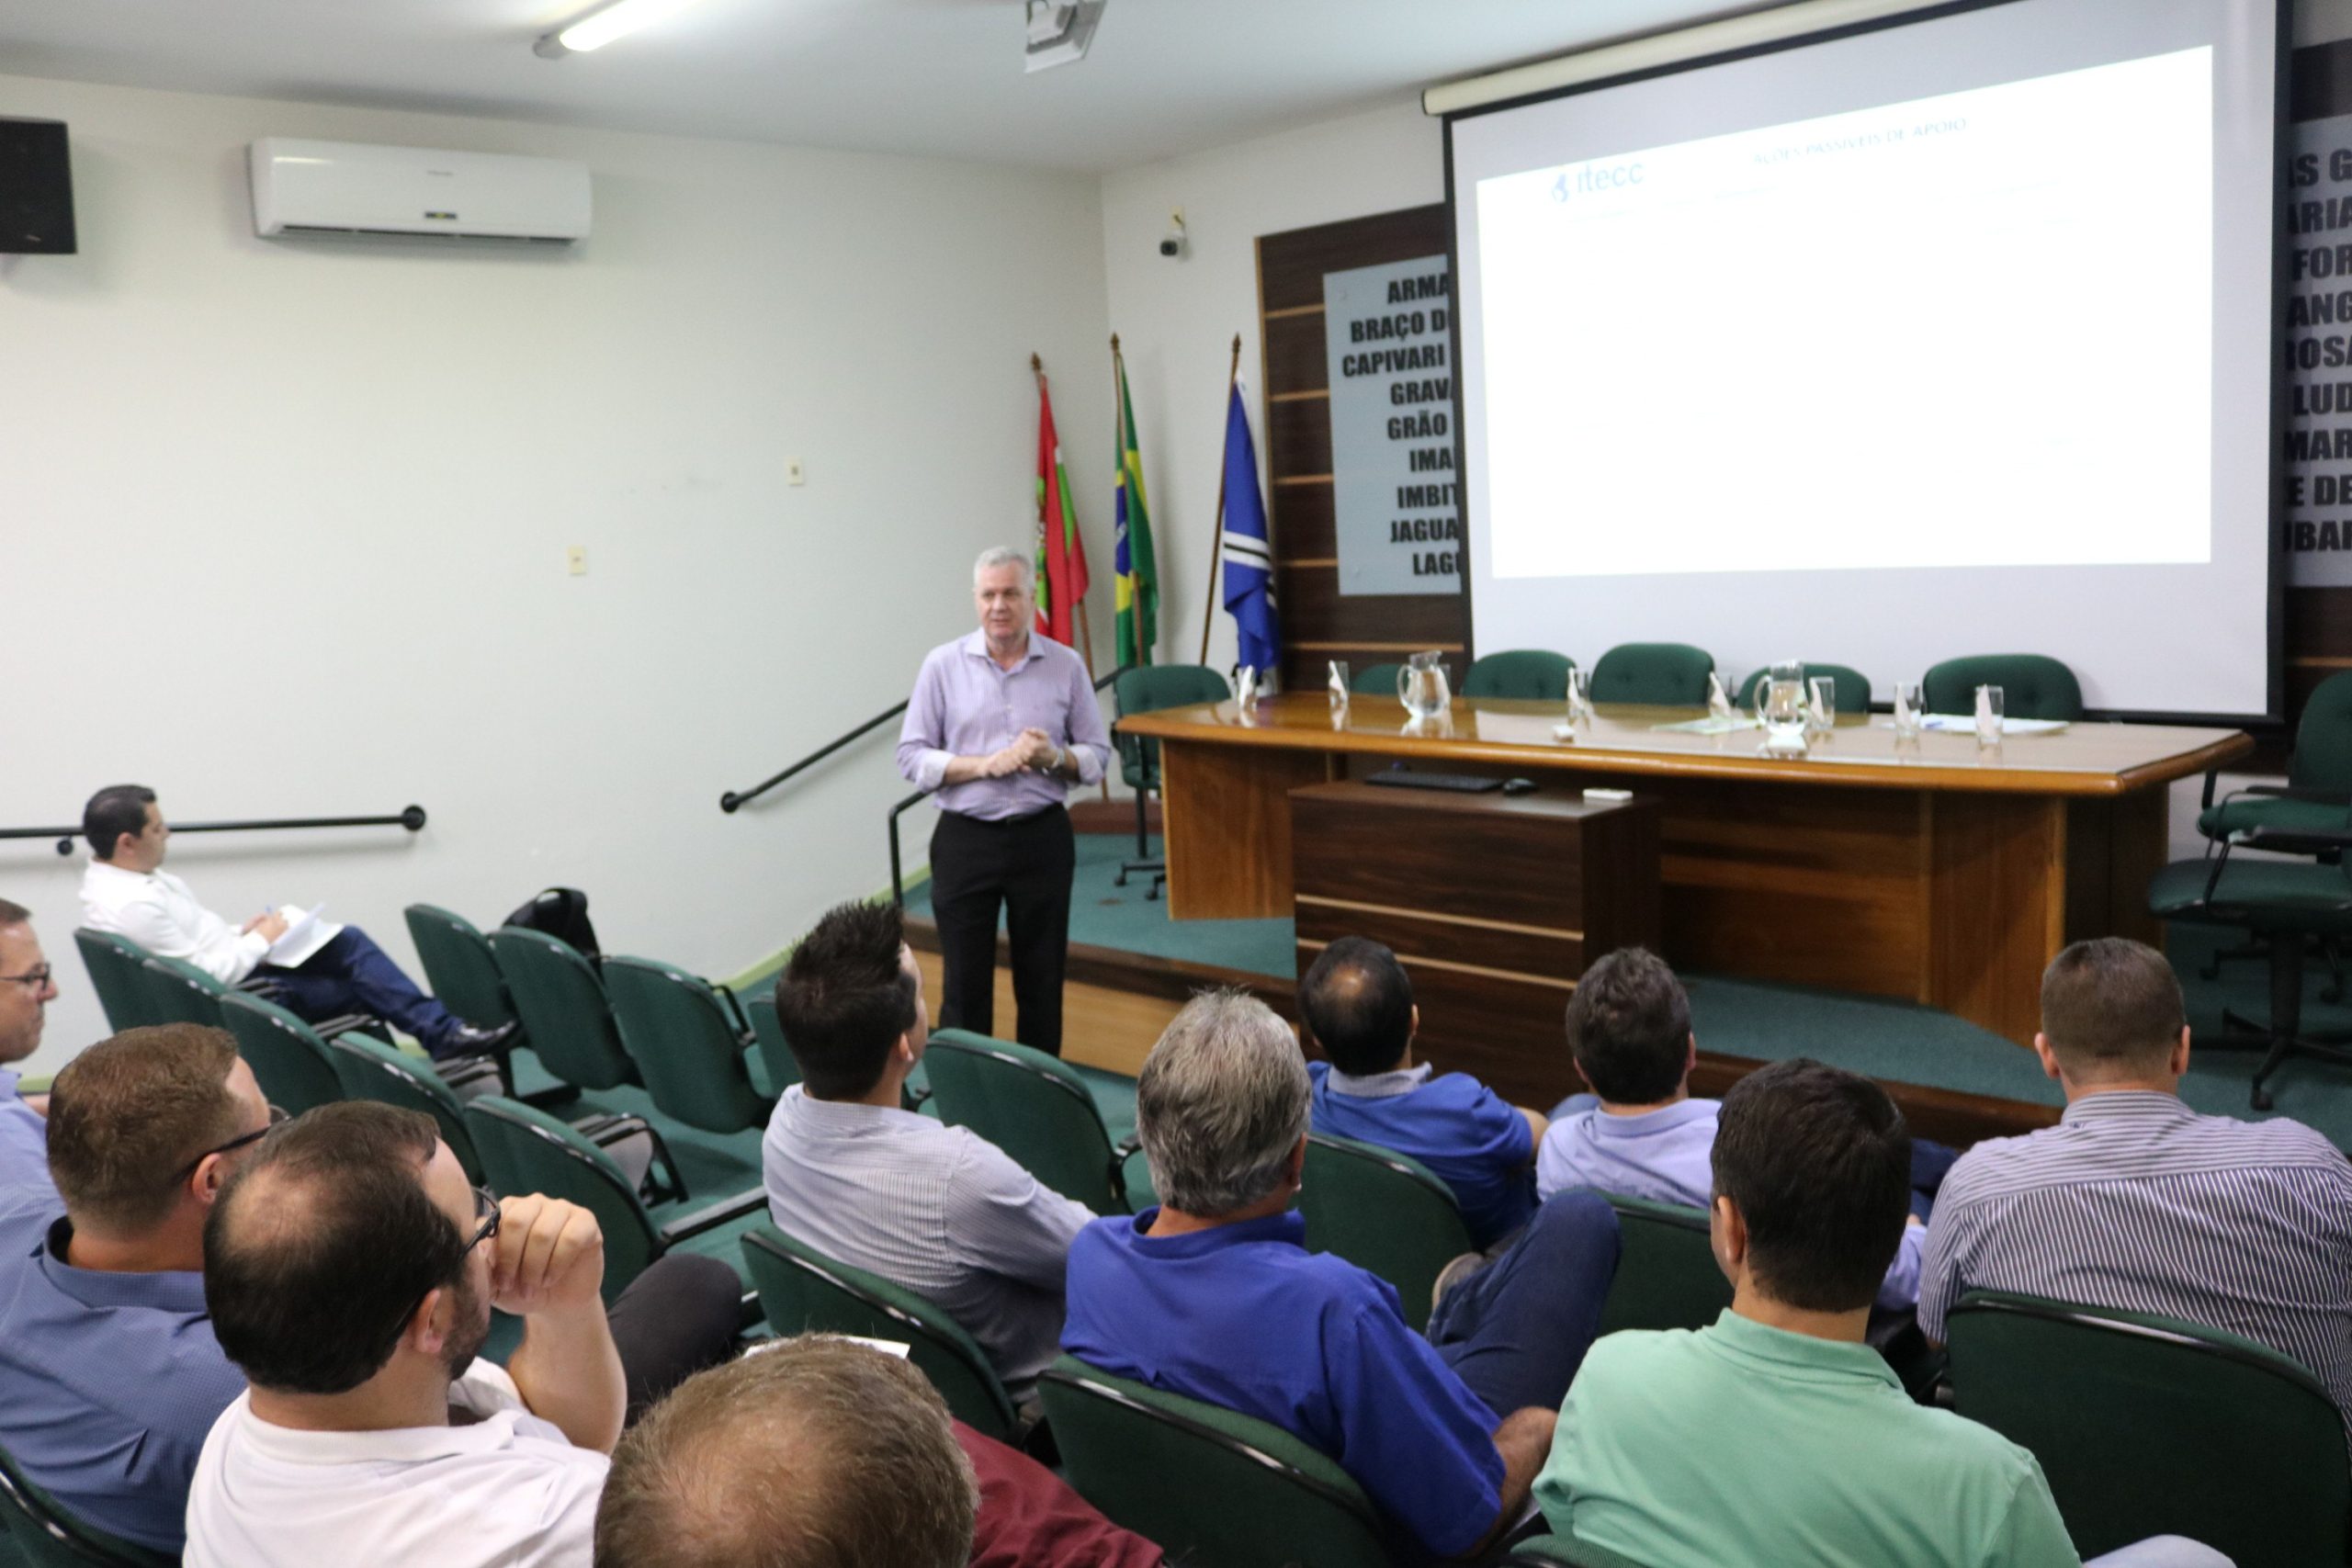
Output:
x=1001 y=723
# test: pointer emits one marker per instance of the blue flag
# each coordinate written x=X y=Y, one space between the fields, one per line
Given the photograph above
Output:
x=1249 y=564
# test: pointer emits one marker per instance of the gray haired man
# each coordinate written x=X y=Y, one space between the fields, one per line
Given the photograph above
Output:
x=1001 y=723
x=1214 y=1295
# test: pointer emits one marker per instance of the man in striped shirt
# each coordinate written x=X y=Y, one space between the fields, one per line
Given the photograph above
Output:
x=2134 y=1201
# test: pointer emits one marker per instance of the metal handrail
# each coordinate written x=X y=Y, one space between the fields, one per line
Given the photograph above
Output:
x=408 y=817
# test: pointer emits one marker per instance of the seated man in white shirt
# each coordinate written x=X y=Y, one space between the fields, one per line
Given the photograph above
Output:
x=350 y=1272
x=937 y=1210
x=126 y=891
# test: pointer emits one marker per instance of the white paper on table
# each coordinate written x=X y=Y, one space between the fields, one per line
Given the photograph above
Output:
x=305 y=934
x=1965 y=724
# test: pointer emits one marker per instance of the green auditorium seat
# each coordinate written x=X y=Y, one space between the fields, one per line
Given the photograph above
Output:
x=1384 y=1212
x=1143 y=688
x=1207 y=1484
x=1550 y=1551
x=2033 y=685
x=1033 y=1106
x=288 y=1058
x=2319 y=773
x=776 y=1051
x=803 y=1291
x=461 y=967
x=1533 y=674
x=524 y=1149
x=1853 y=687
x=40 y=1533
x=113 y=963
x=690 y=1050
x=1666 y=1276
x=179 y=992
x=1373 y=681
x=372 y=1070
x=1660 y=674
x=566 y=1014
x=2150 y=1425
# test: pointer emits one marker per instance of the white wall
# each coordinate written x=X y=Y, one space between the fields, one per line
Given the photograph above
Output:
x=282 y=525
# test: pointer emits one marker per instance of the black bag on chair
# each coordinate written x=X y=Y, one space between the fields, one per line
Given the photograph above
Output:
x=561 y=913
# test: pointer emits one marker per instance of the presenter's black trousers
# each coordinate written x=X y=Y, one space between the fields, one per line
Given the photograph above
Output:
x=1022 y=866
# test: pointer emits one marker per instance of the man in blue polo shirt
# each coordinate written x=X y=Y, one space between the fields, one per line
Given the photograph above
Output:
x=1213 y=1296
x=109 y=1375
x=1358 y=1000
x=26 y=990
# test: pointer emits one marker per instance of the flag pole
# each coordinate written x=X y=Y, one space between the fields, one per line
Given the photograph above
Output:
x=1216 y=545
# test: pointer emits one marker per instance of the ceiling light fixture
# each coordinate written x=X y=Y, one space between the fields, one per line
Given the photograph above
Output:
x=1059 y=31
x=602 y=26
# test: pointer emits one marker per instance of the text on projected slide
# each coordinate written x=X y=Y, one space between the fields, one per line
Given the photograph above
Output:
x=1967 y=330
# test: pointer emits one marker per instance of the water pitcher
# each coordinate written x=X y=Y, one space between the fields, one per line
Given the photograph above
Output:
x=1779 y=708
x=1421 y=685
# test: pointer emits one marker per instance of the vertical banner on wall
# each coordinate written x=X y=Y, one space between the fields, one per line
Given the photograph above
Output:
x=1397 y=501
x=2317 y=341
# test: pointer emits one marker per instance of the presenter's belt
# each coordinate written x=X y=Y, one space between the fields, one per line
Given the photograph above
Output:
x=1046 y=815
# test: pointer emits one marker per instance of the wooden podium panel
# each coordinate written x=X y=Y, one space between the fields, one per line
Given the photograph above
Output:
x=1930 y=869
x=1493 y=903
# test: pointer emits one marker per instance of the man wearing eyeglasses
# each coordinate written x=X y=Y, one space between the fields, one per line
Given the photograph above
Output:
x=110 y=1374
x=25 y=991
x=351 y=1272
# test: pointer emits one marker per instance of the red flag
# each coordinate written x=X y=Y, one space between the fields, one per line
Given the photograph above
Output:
x=1061 y=555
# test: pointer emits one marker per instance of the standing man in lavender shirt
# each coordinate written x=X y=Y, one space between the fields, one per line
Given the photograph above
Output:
x=1001 y=723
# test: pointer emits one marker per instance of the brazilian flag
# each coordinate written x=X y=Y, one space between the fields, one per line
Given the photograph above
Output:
x=1138 y=594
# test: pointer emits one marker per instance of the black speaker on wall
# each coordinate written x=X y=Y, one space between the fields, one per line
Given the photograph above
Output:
x=36 y=189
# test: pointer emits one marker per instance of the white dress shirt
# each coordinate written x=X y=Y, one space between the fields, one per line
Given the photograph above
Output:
x=155 y=909
x=938 y=1210
x=507 y=1491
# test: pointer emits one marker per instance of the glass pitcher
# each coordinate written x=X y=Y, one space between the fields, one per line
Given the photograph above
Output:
x=1779 y=708
x=1421 y=685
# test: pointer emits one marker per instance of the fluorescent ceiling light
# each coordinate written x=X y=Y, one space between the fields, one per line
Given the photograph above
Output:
x=602 y=26
x=1059 y=31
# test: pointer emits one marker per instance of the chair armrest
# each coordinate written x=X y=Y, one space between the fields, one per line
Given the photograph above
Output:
x=912 y=1098
x=2294 y=792
x=713 y=1216
x=347 y=1023
x=1121 y=1152
x=2212 y=776
x=2293 y=841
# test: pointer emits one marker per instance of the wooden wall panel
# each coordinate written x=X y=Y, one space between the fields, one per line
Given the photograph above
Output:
x=1318 y=622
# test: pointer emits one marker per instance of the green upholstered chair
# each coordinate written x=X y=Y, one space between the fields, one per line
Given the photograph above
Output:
x=566 y=1014
x=2150 y=1425
x=288 y=1058
x=1033 y=1106
x=1533 y=674
x=1663 y=675
x=461 y=967
x=2319 y=773
x=2033 y=685
x=1666 y=1276
x=689 y=1048
x=113 y=963
x=1207 y=1484
x=1141 y=688
x=179 y=992
x=1853 y=687
x=776 y=1051
x=372 y=1070
x=802 y=1290
x=1384 y=1212
x=1551 y=1550
x=1373 y=681
x=37 y=1531
x=2291 y=905
x=524 y=1149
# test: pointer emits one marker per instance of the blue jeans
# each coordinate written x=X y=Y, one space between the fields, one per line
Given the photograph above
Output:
x=351 y=973
x=1516 y=1331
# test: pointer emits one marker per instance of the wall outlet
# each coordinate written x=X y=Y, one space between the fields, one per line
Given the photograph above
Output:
x=575 y=560
x=793 y=473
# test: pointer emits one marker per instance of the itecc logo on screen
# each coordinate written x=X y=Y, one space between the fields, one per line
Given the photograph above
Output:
x=1592 y=179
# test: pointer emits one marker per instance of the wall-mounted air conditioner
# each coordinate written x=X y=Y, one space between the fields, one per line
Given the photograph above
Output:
x=349 y=187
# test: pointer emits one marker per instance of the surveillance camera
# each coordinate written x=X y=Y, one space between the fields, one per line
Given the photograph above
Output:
x=1172 y=243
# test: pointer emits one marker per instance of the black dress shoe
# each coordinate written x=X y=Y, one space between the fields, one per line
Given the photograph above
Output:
x=473 y=1039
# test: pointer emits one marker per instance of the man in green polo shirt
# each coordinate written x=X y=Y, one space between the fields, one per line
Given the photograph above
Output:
x=1777 y=1436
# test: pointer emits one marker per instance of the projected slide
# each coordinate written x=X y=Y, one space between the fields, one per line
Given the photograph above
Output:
x=1968 y=329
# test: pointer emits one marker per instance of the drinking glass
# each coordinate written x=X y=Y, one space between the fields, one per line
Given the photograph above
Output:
x=1339 y=682
x=1825 y=703
x=1718 y=699
x=1909 y=706
x=1579 y=696
x=1990 y=703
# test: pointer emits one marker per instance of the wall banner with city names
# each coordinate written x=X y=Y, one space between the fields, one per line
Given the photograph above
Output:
x=1395 y=496
x=2317 y=341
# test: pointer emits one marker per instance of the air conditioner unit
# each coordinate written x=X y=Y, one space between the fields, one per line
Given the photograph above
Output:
x=349 y=187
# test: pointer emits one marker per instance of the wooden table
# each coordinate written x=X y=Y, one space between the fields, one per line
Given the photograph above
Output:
x=1925 y=869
